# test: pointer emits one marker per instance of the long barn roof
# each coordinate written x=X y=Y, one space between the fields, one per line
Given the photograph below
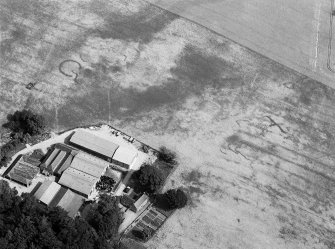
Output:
x=94 y=143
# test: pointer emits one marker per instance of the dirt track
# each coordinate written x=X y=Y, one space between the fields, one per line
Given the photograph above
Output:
x=255 y=138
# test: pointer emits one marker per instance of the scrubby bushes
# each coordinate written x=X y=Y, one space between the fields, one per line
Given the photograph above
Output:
x=166 y=155
x=105 y=184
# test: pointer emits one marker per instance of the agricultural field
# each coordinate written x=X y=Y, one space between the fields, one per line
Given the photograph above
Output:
x=298 y=34
x=255 y=139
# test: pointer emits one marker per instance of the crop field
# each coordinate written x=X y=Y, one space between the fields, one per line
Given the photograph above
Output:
x=298 y=34
x=255 y=139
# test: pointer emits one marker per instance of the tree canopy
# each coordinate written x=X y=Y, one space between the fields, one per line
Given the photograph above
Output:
x=25 y=122
x=172 y=199
x=149 y=178
x=105 y=217
x=24 y=223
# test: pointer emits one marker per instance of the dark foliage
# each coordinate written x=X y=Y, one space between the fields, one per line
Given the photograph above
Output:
x=149 y=179
x=25 y=122
x=126 y=201
x=105 y=184
x=105 y=217
x=9 y=149
x=172 y=199
x=144 y=234
x=167 y=155
x=24 y=223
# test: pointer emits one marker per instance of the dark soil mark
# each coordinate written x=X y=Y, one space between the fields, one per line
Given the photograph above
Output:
x=192 y=176
x=139 y=27
x=273 y=123
x=198 y=70
x=61 y=69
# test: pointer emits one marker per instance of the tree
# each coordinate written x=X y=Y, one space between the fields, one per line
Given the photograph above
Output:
x=144 y=234
x=25 y=223
x=149 y=178
x=167 y=155
x=174 y=198
x=105 y=217
x=25 y=122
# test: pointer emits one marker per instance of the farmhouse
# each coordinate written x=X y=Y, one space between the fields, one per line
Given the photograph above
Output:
x=93 y=144
x=140 y=203
x=52 y=194
x=22 y=171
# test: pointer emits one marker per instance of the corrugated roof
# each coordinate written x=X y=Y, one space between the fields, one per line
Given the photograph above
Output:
x=78 y=180
x=40 y=191
x=125 y=155
x=65 y=165
x=23 y=172
x=51 y=157
x=46 y=193
x=89 y=164
x=95 y=143
x=56 y=163
x=71 y=202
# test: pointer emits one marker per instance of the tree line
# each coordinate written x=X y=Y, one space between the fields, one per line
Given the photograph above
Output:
x=25 y=223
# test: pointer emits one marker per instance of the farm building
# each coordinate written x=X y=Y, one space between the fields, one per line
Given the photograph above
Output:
x=83 y=173
x=124 y=157
x=58 y=159
x=52 y=194
x=47 y=191
x=139 y=204
x=22 y=171
x=93 y=144
x=34 y=158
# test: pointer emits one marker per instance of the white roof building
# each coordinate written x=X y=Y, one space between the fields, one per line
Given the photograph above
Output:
x=125 y=157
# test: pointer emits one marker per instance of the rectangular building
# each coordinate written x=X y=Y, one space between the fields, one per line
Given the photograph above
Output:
x=79 y=181
x=47 y=191
x=94 y=144
x=52 y=194
x=22 y=172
